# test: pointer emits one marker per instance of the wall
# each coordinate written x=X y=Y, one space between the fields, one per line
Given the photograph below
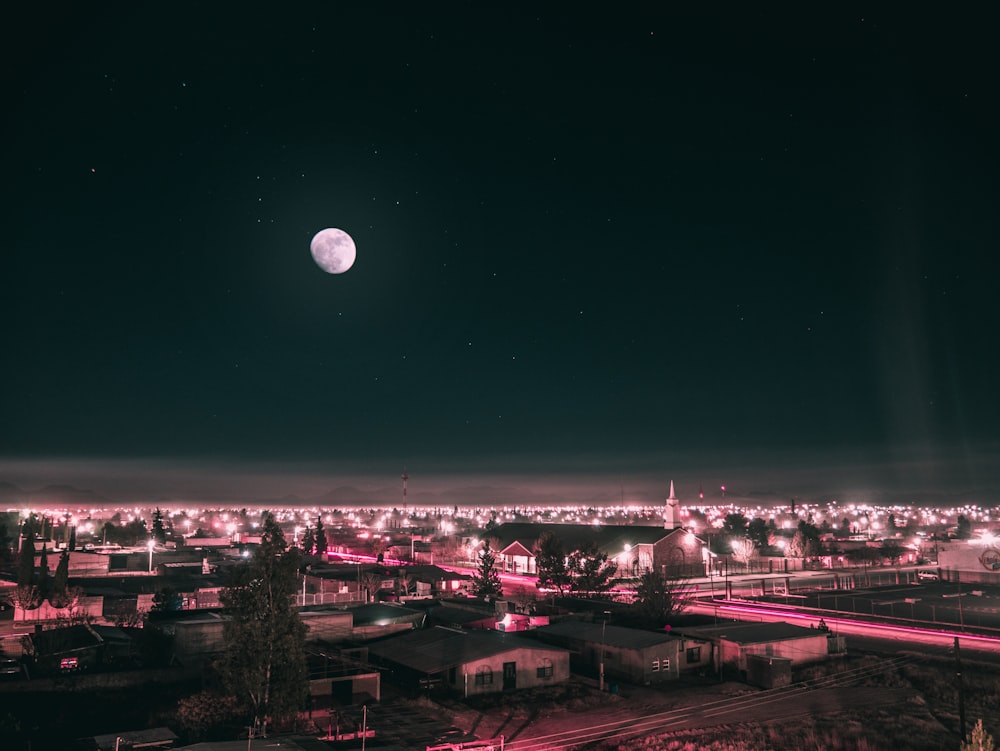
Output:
x=198 y=638
x=679 y=554
x=969 y=561
x=527 y=661
x=799 y=651
x=704 y=654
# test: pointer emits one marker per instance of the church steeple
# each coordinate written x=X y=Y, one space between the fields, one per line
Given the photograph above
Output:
x=672 y=512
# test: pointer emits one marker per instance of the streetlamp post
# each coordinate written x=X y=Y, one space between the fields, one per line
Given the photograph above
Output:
x=149 y=544
x=604 y=625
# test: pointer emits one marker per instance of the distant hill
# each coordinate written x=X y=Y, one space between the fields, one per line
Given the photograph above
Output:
x=51 y=495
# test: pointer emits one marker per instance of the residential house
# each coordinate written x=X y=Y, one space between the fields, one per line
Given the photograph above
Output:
x=630 y=655
x=470 y=662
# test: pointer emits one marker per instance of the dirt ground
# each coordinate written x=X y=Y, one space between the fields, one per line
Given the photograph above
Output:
x=579 y=716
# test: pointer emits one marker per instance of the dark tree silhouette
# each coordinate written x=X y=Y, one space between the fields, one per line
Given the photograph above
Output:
x=43 y=573
x=486 y=581
x=758 y=532
x=159 y=532
x=321 y=543
x=550 y=562
x=26 y=562
x=264 y=660
x=60 y=581
x=659 y=598
x=308 y=543
x=590 y=570
x=735 y=525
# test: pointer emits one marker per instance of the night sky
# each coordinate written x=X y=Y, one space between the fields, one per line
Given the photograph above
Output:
x=630 y=246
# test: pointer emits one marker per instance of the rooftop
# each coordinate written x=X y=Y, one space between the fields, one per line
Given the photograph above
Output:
x=436 y=649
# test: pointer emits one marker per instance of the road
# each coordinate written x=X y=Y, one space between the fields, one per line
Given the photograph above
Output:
x=882 y=637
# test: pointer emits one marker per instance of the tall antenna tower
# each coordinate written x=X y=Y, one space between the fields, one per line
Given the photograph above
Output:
x=405 y=477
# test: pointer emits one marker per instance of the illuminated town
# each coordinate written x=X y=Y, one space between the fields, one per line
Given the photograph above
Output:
x=499 y=377
x=107 y=582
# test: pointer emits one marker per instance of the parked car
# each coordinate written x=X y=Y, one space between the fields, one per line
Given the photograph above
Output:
x=928 y=576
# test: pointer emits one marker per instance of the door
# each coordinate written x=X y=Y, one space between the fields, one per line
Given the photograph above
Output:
x=509 y=676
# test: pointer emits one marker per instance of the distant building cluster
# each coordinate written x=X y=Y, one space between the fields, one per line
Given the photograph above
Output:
x=387 y=594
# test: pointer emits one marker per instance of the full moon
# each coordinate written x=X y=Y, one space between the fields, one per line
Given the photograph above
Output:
x=333 y=250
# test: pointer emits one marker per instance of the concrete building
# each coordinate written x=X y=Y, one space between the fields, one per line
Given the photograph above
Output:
x=732 y=643
x=628 y=655
x=971 y=561
x=470 y=662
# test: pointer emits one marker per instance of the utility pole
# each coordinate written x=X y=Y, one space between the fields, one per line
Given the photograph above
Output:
x=961 y=614
x=604 y=625
x=404 y=478
x=961 y=691
x=364 y=727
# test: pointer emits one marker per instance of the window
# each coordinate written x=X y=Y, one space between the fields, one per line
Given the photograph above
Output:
x=545 y=668
x=693 y=654
x=656 y=666
x=665 y=664
x=484 y=676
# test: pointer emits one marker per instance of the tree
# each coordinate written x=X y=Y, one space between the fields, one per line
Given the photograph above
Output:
x=43 y=573
x=658 y=598
x=308 y=543
x=893 y=551
x=591 y=573
x=802 y=545
x=159 y=532
x=129 y=534
x=734 y=525
x=26 y=562
x=964 y=529
x=744 y=551
x=25 y=597
x=207 y=711
x=550 y=562
x=263 y=663
x=6 y=543
x=978 y=740
x=486 y=581
x=757 y=532
x=167 y=599
x=321 y=543
x=371 y=581
x=863 y=555
x=60 y=580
